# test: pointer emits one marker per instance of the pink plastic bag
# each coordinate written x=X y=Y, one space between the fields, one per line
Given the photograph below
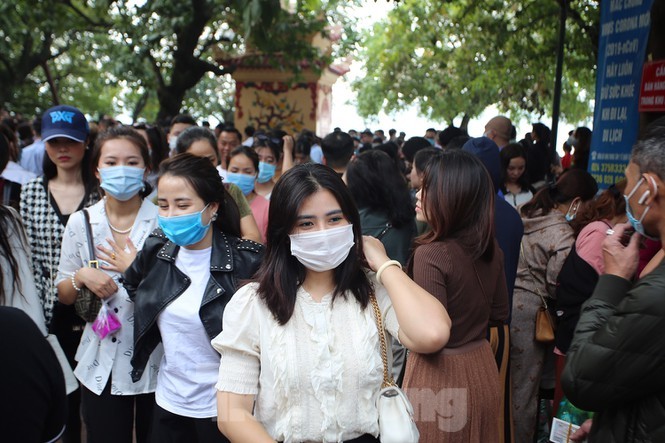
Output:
x=106 y=322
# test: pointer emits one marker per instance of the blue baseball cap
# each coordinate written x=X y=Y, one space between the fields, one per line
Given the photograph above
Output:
x=64 y=121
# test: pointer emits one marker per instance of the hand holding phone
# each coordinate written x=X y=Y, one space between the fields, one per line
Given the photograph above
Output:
x=621 y=251
x=625 y=237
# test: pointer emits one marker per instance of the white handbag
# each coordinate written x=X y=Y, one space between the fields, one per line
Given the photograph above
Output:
x=396 y=424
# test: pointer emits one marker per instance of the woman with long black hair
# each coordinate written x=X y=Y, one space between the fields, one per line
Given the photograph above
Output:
x=300 y=347
x=459 y=261
x=382 y=196
x=47 y=202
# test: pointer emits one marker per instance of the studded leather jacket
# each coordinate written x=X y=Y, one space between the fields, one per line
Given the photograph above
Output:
x=153 y=281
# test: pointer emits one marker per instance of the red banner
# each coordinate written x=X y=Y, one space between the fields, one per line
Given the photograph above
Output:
x=652 y=90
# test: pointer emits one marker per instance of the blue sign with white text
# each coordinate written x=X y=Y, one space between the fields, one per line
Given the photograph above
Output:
x=624 y=32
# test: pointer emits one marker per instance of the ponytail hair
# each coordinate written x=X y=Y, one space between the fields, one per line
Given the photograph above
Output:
x=203 y=177
x=607 y=206
x=571 y=185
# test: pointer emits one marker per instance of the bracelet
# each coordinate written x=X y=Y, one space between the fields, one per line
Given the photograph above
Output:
x=74 y=281
x=385 y=266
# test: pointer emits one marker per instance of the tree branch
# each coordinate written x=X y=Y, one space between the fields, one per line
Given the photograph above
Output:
x=81 y=14
x=213 y=41
x=215 y=69
x=5 y=62
x=591 y=30
x=155 y=68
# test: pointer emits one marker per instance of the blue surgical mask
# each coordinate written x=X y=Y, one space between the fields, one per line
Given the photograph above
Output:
x=121 y=182
x=244 y=181
x=635 y=223
x=266 y=172
x=184 y=230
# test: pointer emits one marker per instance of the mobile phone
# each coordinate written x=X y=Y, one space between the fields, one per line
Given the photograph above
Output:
x=625 y=237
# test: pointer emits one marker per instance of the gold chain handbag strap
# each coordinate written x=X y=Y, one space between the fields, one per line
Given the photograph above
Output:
x=387 y=377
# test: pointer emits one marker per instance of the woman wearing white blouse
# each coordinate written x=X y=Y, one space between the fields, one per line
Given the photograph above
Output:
x=120 y=223
x=302 y=341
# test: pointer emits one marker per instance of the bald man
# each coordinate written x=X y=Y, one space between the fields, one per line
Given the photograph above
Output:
x=499 y=129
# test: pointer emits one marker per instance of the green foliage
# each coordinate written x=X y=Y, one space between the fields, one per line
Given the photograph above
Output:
x=150 y=58
x=455 y=58
x=211 y=97
x=33 y=34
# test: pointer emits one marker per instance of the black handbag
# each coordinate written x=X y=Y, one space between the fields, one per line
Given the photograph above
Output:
x=87 y=303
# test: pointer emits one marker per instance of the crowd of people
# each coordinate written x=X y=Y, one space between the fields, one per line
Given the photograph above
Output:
x=239 y=281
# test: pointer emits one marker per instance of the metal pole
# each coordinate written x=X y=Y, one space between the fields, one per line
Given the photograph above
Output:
x=559 y=73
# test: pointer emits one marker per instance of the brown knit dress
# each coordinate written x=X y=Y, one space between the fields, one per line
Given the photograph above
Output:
x=456 y=392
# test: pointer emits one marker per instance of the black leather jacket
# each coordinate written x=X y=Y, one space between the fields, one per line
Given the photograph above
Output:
x=153 y=281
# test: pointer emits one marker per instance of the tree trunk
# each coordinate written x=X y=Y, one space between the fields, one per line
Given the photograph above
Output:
x=465 y=122
x=140 y=105
x=170 y=101
x=51 y=83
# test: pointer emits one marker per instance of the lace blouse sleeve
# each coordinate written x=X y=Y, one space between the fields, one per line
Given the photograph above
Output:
x=238 y=344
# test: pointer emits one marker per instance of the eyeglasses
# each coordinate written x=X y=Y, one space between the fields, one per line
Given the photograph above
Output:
x=263 y=137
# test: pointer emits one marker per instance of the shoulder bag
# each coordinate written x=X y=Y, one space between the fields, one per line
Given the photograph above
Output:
x=87 y=304
x=544 y=322
x=396 y=423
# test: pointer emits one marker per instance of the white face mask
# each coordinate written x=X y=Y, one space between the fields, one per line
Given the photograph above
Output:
x=173 y=141
x=322 y=250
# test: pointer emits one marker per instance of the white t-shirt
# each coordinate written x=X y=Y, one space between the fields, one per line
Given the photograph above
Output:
x=188 y=371
x=222 y=172
x=517 y=200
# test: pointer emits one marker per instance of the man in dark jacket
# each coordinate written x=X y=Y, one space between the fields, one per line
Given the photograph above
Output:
x=509 y=229
x=616 y=363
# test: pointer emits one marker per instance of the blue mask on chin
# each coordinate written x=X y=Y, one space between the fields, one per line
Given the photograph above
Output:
x=121 y=182
x=184 y=230
x=266 y=172
x=244 y=181
x=635 y=223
